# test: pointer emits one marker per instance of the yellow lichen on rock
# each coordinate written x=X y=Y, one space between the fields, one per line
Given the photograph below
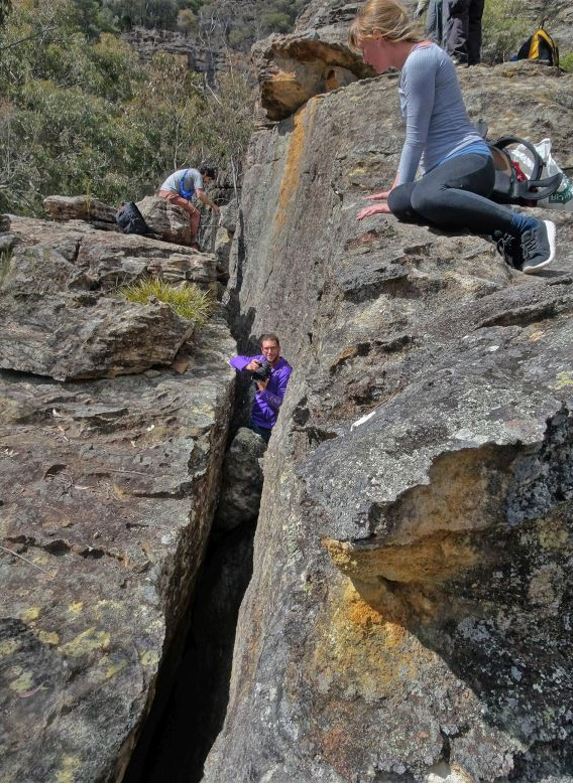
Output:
x=22 y=683
x=291 y=174
x=31 y=614
x=8 y=647
x=362 y=653
x=48 y=638
x=69 y=767
x=86 y=642
x=432 y=559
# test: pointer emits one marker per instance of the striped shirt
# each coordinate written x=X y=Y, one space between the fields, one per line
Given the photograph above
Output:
x=437 y=123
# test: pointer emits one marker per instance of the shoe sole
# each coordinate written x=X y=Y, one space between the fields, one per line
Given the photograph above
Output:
x=550 y=227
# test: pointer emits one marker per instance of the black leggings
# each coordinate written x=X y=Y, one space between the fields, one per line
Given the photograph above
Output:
x=454 y=196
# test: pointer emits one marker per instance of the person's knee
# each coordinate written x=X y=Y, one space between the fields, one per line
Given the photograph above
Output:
x=400 y=204
x=425 y=201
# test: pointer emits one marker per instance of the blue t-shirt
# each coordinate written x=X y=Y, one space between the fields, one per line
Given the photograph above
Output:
x=437 y=123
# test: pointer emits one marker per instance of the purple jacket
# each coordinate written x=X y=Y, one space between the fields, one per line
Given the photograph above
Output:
x=268 y=401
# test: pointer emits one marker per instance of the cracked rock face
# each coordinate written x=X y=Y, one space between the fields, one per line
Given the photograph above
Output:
x=242 y=481
x=408 y=617
x=107 y=491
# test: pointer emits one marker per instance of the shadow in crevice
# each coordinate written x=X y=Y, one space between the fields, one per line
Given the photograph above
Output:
x=194 y=711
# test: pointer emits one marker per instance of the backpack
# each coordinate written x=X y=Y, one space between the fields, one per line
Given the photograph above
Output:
x=512 y=185
x=541 y=47
x=130 y=220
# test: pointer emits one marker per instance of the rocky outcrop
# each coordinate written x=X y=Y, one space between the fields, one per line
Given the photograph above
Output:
x=107 y=490
x=63 y=315
x=408 y=613
x=291 y=69
x=168 y=221
x=85 y=208
x=203 y=59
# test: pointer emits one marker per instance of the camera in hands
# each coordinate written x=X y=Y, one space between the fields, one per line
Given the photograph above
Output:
x=263 y=372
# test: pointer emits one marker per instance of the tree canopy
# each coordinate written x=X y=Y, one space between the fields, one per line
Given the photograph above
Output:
x=82 y=114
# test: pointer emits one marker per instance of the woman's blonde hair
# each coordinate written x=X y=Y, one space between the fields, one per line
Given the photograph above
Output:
x=387 y=17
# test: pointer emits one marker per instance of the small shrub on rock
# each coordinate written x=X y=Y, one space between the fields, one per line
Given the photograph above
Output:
x=188 y=301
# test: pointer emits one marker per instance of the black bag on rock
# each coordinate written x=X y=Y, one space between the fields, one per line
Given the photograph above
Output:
x=130 y=220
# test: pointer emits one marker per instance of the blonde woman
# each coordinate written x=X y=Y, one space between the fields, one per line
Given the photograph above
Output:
x=457 y=164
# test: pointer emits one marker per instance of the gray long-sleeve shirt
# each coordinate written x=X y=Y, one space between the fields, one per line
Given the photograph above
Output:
x=437 y=123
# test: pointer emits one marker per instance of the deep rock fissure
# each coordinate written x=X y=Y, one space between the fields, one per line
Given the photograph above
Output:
x=193 y=688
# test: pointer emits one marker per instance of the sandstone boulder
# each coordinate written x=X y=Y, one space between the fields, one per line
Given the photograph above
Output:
x=86 y=208
x=291 y=69
x=61 y=312
x=168 y=221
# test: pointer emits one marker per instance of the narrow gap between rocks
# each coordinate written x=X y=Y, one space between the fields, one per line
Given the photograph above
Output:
x=193 y=688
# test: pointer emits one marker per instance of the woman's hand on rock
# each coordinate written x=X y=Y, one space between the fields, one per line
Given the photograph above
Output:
x=374 y=209
x=382 y=196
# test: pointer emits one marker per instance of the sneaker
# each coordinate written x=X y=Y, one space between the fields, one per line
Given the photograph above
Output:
x=538 y=246
x=510 y=248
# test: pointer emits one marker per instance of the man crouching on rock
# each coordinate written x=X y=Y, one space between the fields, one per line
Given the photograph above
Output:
x=184 y=184
x=271 y=373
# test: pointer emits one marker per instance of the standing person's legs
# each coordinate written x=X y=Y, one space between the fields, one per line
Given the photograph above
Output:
x=455 y=21
x=194 y=214
x=434 y=27
x=474 y=31
x=432 y=23
x=454 y=196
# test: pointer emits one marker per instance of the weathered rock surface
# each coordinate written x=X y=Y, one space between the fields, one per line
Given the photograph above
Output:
x=107 y=492
x=61 y=315
x=86 y=208
x=242 y=481
x=293 y=68
x=169 y=221
x=408 y=615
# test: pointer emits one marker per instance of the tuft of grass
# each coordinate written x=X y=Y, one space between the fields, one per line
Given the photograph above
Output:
x=5 y=259
x=188 y=301
x=566 y=62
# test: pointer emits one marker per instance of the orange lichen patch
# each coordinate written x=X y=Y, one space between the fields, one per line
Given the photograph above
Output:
x=360 y=652
x=291 y=174
x=433 y=559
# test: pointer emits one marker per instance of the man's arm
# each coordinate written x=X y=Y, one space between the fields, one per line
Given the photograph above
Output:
x=274 y=399
x=245 y=363
x=202 y=196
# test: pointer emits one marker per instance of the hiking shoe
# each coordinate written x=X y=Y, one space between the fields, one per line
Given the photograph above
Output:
x=538 y=246
x=510 y=248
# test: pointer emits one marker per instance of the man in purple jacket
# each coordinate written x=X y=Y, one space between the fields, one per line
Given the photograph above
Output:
x=270 y=392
